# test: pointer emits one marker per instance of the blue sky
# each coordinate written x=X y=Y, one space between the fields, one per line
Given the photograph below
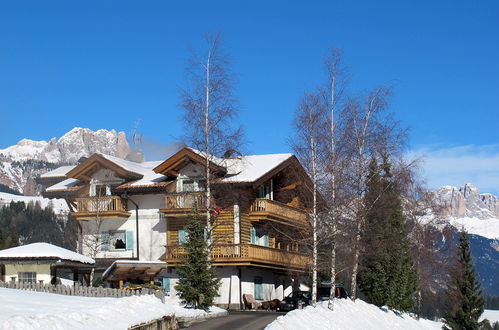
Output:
x=110 y=64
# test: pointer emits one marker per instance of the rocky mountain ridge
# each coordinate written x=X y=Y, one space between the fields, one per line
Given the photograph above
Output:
x=467 y=201
x=21 y=163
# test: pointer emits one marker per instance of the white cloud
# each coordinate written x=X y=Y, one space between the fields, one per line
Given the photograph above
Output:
x=462 y=164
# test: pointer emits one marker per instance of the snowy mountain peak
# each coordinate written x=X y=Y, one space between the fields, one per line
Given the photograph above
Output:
x=22 y=162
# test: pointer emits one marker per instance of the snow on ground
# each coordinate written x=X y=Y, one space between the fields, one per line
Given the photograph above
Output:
x=58 y=205
x=38 y=310
x=491 y=315
x=488 y=228
x=348 y=314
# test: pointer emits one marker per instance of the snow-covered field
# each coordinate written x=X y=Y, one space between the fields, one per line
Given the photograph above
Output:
x=348 y=314
x=488 y=228
x=58 y=205
x=491 y=315
x=37 y=310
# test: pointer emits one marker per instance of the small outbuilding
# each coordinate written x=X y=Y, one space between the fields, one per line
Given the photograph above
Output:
x=44 y=263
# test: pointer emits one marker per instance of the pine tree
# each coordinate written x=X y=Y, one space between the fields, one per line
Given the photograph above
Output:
x=198 y=283
x=1 y=240
x=387 y=275
x=470 y=304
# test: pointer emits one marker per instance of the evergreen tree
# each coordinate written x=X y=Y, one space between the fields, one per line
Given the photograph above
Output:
x=469 y=304
x=387 y=275
x=1 y=240
x=198 y=283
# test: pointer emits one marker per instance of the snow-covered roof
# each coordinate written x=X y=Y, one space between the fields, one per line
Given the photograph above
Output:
x=239 y=169
x=43 y=250
x=58 y=172
x=252 y=168
x=68 y=183
x=144 y=169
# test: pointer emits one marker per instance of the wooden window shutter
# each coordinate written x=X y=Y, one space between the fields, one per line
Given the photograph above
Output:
x=105 y=244
x=129 y=240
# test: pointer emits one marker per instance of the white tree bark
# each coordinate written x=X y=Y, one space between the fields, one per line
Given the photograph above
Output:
x=333 y=201
x=313 y=148
x=207 y=150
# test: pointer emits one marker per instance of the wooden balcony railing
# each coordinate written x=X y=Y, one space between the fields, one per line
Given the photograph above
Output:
x=95 y=207
x=179 y=203
x=263 y=207
x=248 y=254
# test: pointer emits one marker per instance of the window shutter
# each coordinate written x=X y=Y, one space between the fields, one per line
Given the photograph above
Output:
x=129 y=240
x=253 y=235
x=92 y=190
x=105 y=244
x=258 y=288
x=182 y=236
x=166 y=284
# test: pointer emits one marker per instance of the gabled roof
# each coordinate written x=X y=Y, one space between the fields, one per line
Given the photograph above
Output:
x=184 y=156
x=43 y=251
x=122 y=168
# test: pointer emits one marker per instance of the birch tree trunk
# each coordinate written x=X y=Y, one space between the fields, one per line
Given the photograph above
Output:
x=313 y=148
x=333 y=201
x=207 y=151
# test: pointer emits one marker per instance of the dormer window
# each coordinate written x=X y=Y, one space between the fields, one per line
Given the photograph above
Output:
x=185 y=184
x=100 y=190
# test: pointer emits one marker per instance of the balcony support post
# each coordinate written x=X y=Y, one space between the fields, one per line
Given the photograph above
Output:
x=136 y=221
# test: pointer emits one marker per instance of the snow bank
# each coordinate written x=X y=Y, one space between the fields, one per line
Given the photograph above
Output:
x=38 y=310
x=348 y=314
x=491 y=315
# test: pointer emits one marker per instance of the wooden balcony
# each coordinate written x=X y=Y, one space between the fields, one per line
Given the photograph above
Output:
x=91 y=208
x=248 y=255
x=267 y=209
x=183 y=204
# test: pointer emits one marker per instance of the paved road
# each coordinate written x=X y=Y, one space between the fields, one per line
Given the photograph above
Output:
x=238 y=321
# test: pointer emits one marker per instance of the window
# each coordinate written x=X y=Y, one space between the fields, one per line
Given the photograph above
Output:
x=191 y=185
x=117 y=240
x=258 y=237
x=28 y=277
x=266 y=190
x=100 y=190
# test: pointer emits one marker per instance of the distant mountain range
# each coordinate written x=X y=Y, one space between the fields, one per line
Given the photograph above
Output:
x=20 y=164
x=478 y=214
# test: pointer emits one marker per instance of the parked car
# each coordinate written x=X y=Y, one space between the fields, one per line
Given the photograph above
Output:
x=295 y=300
x=323 y=292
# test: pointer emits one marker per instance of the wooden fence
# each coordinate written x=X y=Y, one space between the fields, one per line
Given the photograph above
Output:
x=80 y=290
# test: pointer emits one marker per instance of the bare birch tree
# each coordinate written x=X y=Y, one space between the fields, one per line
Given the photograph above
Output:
x=210 y=109
x=309 y=126
x=335 y=87
x=372 y=132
